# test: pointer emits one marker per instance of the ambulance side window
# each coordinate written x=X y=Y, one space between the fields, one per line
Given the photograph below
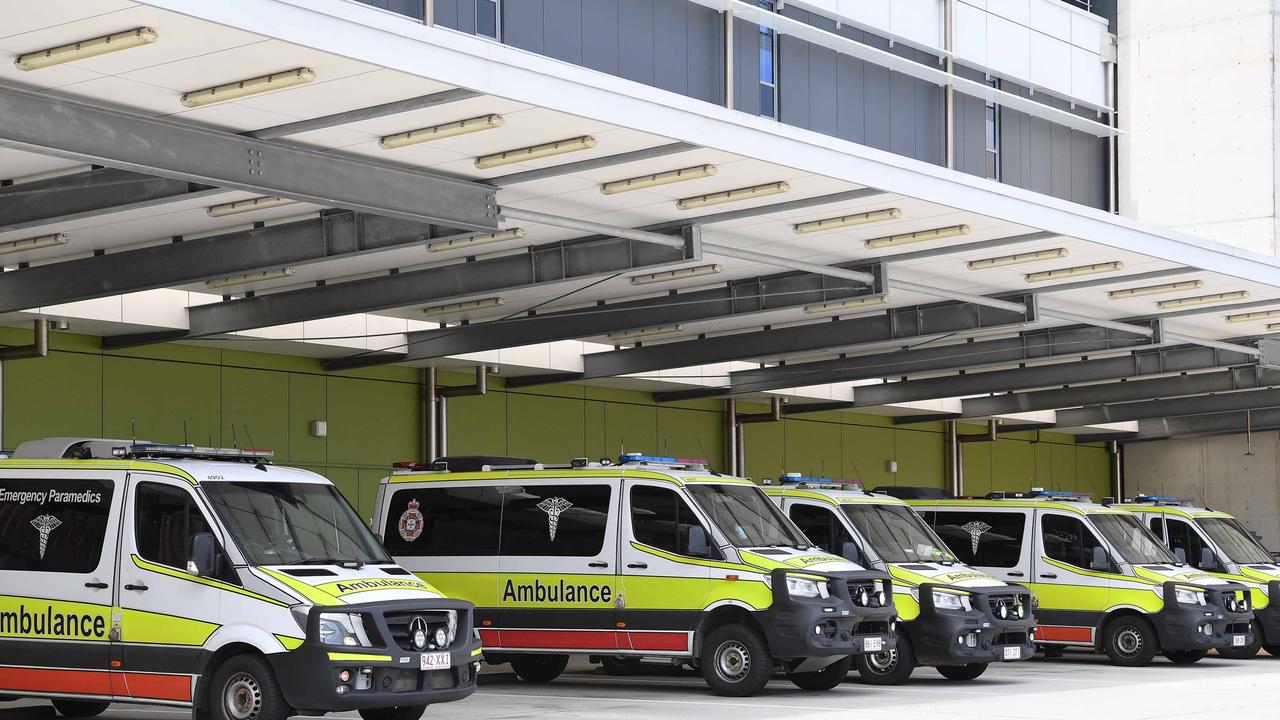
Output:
x=984 y=539
x=555 y=520
x=1067 y=540
x=1187 y=544
x=55 y=525
x=165 y=520
x=660 y=518
x=1157 y=526
x=825 y=530
x=444 y=522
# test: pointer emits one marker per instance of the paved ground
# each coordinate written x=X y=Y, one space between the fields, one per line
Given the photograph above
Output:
x=1078 y=687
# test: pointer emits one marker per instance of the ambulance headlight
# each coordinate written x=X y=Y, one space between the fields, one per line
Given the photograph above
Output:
x=943 y=600
x=1188 y=596
x=798 y=587
x=343 y=629
x=451 y=625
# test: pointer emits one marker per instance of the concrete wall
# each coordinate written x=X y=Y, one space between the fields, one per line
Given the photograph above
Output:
x=1217 y=472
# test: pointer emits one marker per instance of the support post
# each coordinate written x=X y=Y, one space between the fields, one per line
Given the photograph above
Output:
x=739 y=436
x=731 y=435
x=38 y=348
x=427 y=414
x=954 y=471
x=728 y=59
x=442 y=394
x=428 y=12
x=1117 y=470
x=949 y=92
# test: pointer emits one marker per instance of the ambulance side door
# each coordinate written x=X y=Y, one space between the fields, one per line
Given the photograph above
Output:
x=825 y=528
x=995 y=540
x=1069 y=578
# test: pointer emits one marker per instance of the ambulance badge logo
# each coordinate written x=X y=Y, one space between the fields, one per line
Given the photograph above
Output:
x=411 y=522
x=44 y=525
x=553 y=507
x=976 y=530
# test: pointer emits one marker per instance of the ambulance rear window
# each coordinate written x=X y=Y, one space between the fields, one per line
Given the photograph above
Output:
x=53 y=525
x=443 y=522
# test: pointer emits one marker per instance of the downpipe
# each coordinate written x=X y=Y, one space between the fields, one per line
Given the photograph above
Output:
x=37 y=349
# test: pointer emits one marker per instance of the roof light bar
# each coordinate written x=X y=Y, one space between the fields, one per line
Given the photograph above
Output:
x=245 y=88
x=440 y=132
x=1203 y=300
x=728 y=196
x=1254 y=316
x=842 y=221
x=473 y=240
x=85 y=49
x=915 y=237
x=645 y=332
x=680 y=274
x=1077 y=271
x=250 y=278
x=195 y=451
x=656 y=179
x=250 y=205
x=1156 y=289
x=33 y=243
x=1017 y=259
x=454 y=308
x=663 y=459
x=535 y=152
x=849 y=304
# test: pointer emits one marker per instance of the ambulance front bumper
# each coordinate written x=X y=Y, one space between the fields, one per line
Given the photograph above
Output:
x=834 y=626
x=1184 y=626
x=983 y=634
x=386 y=675
x=1269 y=616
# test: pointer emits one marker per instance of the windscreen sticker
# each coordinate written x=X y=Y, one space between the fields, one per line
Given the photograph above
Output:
x=976 y=530
x=553 y=506
x=956 y=577
x=411 y=522
x=808 y=560
x=350 y=587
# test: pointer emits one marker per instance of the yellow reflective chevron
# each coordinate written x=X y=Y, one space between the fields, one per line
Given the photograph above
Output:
x=314 y=595
x=145 y=565
x=289 y=643
x=358 y=657
x=477 y=651
x=139 y=626
x=694 y=561
x=1101 y=575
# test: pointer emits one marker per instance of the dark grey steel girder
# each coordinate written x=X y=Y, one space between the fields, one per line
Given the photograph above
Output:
x=69 y=197
x=444 y=97
x=40 y=122
x=1194 y=426
x=1172 y=407
x=336 y=234
x=1151 y=362
x=595 y=163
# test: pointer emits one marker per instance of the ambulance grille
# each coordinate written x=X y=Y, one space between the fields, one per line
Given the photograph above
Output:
x=1011 y=603
x=858 y=587
x=399 y=623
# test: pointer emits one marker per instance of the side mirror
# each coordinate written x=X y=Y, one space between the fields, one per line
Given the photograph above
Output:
x=203 y=556
x=1181 y=554
x=1100 y=561
x=1207 y=558
x=849 y=551
x=699 y=546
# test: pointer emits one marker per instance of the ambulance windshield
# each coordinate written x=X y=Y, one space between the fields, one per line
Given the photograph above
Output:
x=1234 y=541
x=1132 y=541
x=896 y=533
x=293 y=523
x=746 y=516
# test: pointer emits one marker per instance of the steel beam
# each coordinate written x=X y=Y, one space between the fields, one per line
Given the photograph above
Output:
x=596 y=163
x=1195 y=426
x=444 y=97
x=1172 y=407
x=40 y=122
x=83 y=194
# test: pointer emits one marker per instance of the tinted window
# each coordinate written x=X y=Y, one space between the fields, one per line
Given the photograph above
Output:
x=1187 y=545
x=660 y=518
x=444 y=521
x=1130 y=539
x=1157 y=527
x=557 y=520
x=53 y=525
x=165 y=519
x=985 y=539
x=746 y=516
x=896 y=533
x=1234 y=540
x=824 y=529
x=1067 y=540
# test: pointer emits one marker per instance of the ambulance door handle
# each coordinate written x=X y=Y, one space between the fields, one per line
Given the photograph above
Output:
x=638 y=566
x=97 y=585
x=139 y=588
x=1015 y=574
x=598 y=563
x=1049 y=576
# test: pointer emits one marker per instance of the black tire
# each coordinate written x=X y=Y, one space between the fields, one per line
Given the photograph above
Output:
x=825 y=679
x=1129 y=641
x=962 y=673
x=1272 y=650
x=244 y=688
x=80 y=708
x=736 y=661
x=403 y=712
x=539 y=668
x=621 y=666
x=1248 y=651
x=1185 y=657
x=891 y=667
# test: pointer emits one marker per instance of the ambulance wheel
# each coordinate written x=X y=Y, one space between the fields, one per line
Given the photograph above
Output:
x=1248 y=651
x=962 y=673
x=889 y=667
x=1129 y=641
x=620 y=666
x=403 y=712
x=1185 y=657
x=244 y=688
x=736 y=661
x=828 y=677
x=80 y=708
x=539 y=668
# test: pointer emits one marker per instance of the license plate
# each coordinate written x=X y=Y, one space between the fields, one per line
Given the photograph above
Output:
x=1238 y=641
x=872 y=644
x=1012 y=653
x=434 y=661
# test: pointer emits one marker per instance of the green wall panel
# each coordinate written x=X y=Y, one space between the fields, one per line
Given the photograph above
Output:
x=57 y=395
x=630 y=427
x=545 y=427
x=812 y=448
x=866 y=450
x=478 y=425
x=921 y=458
x=693 y=433
x=369 y=420
x=255 y=409
x=308 y=400
x=160 y=397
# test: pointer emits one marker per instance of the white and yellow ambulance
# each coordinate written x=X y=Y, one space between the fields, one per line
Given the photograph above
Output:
x=954 y=618
x=208 y=578
x=648 y=558
x=1218 y=544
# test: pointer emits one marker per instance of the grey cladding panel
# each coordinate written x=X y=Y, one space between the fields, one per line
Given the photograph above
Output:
x=635 y=40
x=1051 y=159
x=411 y=8
x=522 y=25
x=562 y=29
x=456 y=14
x=670 y=38
x=600 y=35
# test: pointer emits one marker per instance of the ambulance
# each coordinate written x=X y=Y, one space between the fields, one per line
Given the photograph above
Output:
x=649 y=558
x=1102 y=580
x=208 y=578
x=1218 y=544
x=954 y=618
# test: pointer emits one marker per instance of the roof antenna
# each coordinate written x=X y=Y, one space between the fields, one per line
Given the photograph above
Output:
x=133 y=428
x=707 y=457
x=235 y=443
x=185 y=441
x=260 y=465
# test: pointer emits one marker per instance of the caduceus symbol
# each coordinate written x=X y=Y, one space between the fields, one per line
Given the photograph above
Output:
x=975 y=529
x=44 y=525
x=553 y=507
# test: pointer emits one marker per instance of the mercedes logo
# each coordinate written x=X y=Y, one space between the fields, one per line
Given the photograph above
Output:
x=418 y=632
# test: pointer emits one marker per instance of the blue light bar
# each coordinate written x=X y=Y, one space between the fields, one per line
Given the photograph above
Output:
x=797 y=478
x=1158 y=498
x=661 y=459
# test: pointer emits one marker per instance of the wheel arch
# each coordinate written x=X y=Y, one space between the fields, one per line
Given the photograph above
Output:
x=1118 y=612
x=211 y=661
x=723 y=613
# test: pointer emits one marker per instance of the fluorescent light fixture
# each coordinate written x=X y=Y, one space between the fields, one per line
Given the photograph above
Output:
x=1077 y=271
x=245 y=88
x=681 y=274
x=832 y=223
x=1017 y=259
x=656 y=179
x=534 y=152
x=1274 y=327
x=251 y=278
x=244 y=206
x=85 y=49
x=645 y=332
x=1254 y=316
x=469 y=305
x=1156 y=289
x=850 y=304
x=1203 y=300
x=734 y=195
x=915 y=237
x=472 y=240
x=33 y=243
x=439 y=132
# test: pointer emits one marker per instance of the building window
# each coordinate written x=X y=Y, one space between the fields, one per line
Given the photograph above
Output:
x=993 y=135
x=489 y=18
x=768 y=67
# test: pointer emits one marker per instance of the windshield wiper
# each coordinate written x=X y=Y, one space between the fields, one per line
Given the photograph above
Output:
x=355 y=564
